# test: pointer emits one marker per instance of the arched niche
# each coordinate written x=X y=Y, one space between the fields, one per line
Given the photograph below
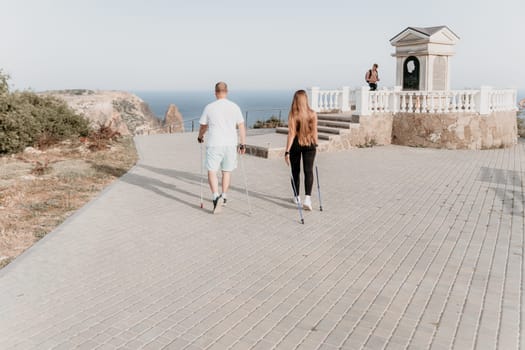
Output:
x=411 y=76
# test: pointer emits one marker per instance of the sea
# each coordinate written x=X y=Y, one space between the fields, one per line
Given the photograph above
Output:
x=255 y=105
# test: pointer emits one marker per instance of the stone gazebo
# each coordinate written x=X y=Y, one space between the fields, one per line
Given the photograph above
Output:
x=423 y=58
x=422 y=110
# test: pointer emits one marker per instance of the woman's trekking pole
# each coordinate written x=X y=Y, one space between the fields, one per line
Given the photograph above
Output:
x=202 y=175
x=296 y=196
x=318 y=189
x=246 y=185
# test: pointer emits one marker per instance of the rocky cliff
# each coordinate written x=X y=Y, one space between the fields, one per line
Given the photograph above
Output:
x=173 y=120
x=126 y=112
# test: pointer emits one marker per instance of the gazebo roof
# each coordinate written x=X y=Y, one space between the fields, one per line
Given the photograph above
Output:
x=440 y=34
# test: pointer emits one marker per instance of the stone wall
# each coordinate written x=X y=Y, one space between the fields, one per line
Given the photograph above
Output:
x=455 y=130
x=371 y=131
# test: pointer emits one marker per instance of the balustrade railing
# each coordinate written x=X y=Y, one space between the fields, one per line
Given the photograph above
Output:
x=483 y=101
x=501 y=100
x=330 y=100
x=422 y=101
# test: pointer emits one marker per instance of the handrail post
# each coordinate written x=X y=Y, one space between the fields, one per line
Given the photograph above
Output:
x=482 y=100
x=394 y=101
x=345 y=99
x=314 y=98
x=362 y=105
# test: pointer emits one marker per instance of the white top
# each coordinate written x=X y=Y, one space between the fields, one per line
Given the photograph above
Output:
x=222 y=117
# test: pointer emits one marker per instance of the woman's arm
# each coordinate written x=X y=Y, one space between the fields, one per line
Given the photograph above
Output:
x=291 y=133
x=316 y=136
x=289 y=139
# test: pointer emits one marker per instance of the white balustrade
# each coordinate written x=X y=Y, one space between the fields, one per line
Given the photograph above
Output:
x=482 y=101
x=329 y=100
x=379 y=101
x=502 y=100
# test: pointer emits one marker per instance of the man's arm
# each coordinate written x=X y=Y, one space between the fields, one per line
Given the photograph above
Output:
x=202 y=130
x=242 y=137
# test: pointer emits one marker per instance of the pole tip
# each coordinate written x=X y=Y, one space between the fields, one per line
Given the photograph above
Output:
x=202 y=205
x=302 y=221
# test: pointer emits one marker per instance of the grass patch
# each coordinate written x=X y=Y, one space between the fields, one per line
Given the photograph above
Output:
x=29 y=209
x=272 y=122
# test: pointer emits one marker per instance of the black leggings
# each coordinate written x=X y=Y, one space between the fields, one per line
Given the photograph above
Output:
x=308 y=155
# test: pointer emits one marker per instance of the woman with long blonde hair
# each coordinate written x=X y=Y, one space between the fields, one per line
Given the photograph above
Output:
x=301 y=143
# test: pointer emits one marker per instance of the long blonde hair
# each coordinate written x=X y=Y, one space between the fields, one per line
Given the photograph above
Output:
x=302 y=120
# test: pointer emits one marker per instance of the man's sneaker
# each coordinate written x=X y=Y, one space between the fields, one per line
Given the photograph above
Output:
x=307 y=205
x=216 y=206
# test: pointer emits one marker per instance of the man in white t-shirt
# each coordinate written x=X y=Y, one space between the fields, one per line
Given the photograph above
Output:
x=220 y=119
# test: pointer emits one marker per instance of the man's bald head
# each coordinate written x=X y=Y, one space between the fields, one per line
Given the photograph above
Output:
x=221 y=89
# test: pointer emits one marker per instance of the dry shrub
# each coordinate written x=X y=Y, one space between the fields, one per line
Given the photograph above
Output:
x=46 y=140
x=41 y=168
x=102 y=137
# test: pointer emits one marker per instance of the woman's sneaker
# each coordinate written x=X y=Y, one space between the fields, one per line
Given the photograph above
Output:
x=296 y=200
x=307 y=205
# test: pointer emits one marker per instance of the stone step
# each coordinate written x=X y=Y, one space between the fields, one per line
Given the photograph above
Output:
x=320 y=135
x=338 y=117
x=329 y=130
x=267 y=143
x=334 y=124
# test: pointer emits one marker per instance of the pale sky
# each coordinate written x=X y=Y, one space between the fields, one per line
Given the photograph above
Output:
x=267 y=44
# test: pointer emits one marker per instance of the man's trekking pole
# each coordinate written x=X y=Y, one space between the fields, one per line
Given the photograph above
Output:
x=296 y=196
x=318 y=189
x=246 y=185
x=202 y=167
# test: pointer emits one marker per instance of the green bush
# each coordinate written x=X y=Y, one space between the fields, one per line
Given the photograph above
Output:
x=272 y=122
x=521 y=127
x=26 y=117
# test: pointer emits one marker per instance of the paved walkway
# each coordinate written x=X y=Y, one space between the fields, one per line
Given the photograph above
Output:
x=416 y=248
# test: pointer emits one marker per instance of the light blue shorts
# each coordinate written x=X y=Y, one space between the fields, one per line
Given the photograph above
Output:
x=221 y=158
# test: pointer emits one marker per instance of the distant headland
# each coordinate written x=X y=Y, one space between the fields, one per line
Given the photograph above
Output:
x=125 y=112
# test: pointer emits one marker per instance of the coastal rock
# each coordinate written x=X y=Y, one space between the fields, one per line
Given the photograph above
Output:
x=124 y=111
x=173 y=121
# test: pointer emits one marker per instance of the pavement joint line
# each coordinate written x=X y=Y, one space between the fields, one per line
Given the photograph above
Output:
x=392 y=255
x=392 y=299
x=491 y=269
x=255 y=325
x=478 y=254
x=444 y=265
x=269 y=283
x=334 y=285
x=389 y=264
